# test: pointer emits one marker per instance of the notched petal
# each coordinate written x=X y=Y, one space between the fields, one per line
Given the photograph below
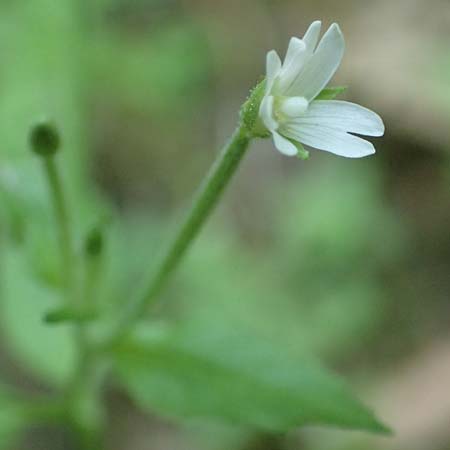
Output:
x=330 y=140
x=321 y=66
x=345 y=116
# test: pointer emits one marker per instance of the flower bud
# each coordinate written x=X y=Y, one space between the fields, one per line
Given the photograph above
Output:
x=94 y=243
x=44 y=139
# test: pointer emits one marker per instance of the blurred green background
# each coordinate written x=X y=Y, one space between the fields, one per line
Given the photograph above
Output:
x=347 y=258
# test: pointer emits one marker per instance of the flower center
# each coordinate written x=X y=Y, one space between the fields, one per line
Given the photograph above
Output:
x=286 y=108
x=294 y=106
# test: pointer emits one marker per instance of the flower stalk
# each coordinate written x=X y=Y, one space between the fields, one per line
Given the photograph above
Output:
x=45 y=142
x=207 y=198
x=62 y=218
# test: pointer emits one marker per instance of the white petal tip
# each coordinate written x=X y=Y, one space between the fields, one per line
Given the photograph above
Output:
x=335 y=26
x=317 y=23
x=273 y=66
x=381 y=129
x=367 y=151
x=378 y=128
x=297 y=43
x=336 y=29
x=273 y=60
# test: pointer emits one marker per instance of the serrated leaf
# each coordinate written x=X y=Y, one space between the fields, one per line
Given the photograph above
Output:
x=331 y=93
x=240 y=379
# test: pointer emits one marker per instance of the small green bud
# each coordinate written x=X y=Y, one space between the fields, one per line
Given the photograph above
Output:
x=64 y=315
x=94 y=243
x=44 y=139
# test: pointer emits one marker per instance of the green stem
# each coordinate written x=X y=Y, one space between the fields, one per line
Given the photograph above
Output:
x=92 y=276
x=65 y=245
x=62 y=218
x=80 y=391
x=84 y=401
x=208 y=196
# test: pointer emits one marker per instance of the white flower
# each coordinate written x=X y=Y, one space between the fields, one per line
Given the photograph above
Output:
x=291 y=113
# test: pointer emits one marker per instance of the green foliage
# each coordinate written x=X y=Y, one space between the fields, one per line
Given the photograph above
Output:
x=70 y=315
x=161 y=74
x=48 y=352
x=330 y=227
x=196 y=373
x=14 y=417
x=94 y=243
x=40 y=78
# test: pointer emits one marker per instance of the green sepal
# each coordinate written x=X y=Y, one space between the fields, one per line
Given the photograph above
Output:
x=331 y=93
x=250 y=112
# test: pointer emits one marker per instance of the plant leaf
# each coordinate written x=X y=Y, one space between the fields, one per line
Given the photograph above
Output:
x=48 y=352
x=331 y=93
x=13 y=418
x=192 y=373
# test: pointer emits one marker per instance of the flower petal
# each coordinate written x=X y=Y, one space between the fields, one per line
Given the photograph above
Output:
x=330 y=140
x=266 y=113
x=284 y=145
x=296 y=47
x=344 y=116
x=273 y=67
x=296 y=57
x=311 y=37
x=321 y=67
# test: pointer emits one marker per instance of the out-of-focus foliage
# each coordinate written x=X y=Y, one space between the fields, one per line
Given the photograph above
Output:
x=317 y=285
x=203 y=373
x=14 y=418
x=48 y=351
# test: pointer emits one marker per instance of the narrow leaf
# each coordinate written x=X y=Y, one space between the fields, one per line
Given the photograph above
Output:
x=237 y=379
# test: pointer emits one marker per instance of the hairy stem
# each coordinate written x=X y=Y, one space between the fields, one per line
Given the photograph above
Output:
x=208 y=196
